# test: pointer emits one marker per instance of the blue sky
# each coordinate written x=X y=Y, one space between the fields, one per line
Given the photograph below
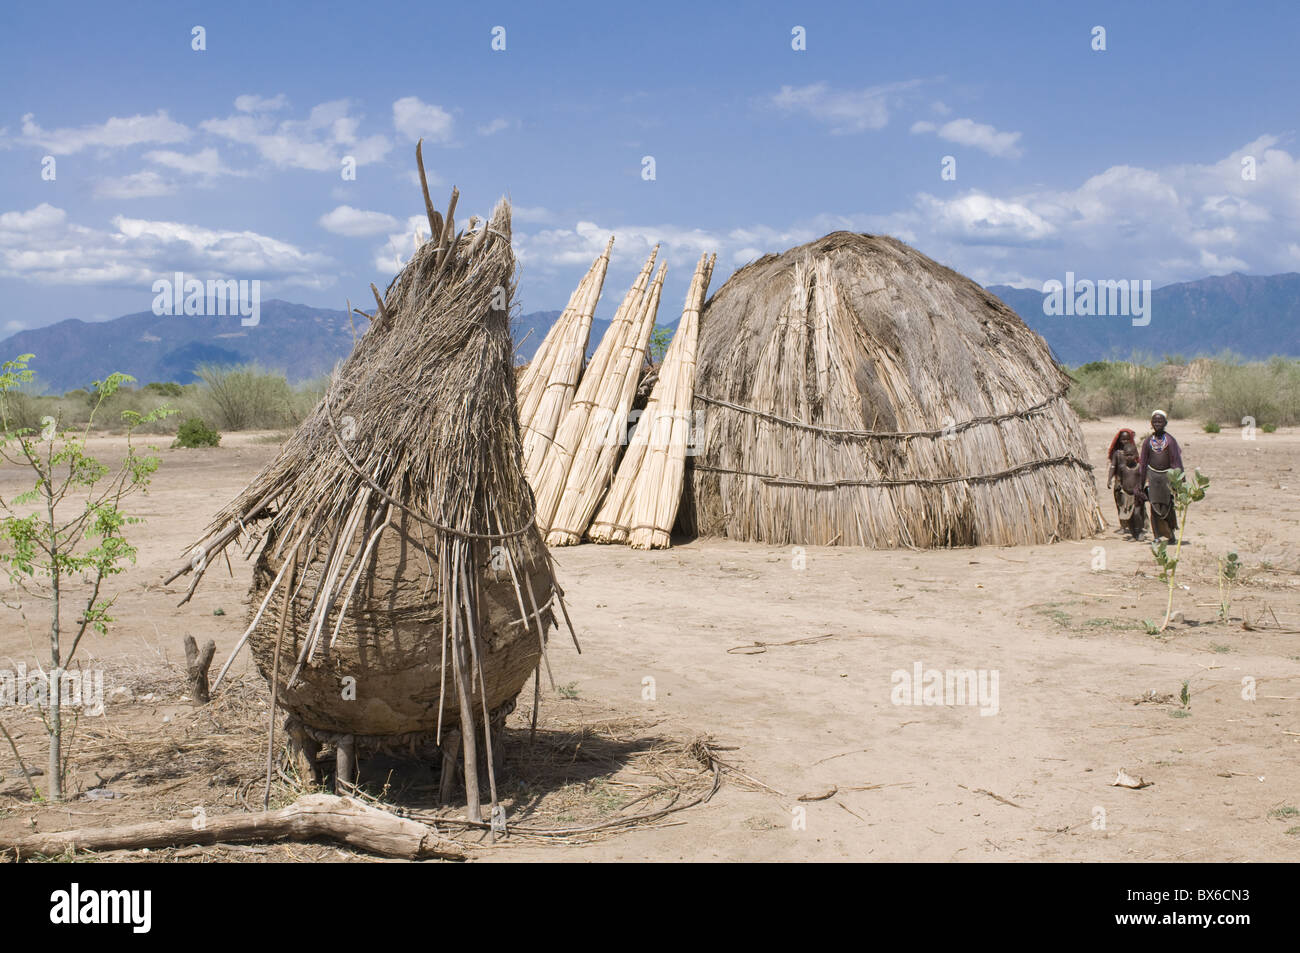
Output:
x=1123 y=163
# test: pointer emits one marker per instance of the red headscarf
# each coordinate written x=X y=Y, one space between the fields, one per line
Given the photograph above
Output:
x=1110 y=452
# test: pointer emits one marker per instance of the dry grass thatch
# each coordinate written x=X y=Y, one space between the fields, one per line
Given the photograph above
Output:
x=855 y=392
x=396 y=524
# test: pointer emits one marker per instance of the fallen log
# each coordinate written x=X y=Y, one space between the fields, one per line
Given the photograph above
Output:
x=312 y=816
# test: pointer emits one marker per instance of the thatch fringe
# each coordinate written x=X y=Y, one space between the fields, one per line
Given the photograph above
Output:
x=641 y=506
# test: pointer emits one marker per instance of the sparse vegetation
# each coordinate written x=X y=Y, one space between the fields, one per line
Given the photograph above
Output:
x=195 y=433
x=1265 y=392
x=246 y=397
x=1229 y=567
x=660 y=338
x=1110 y=388
x=66 y=534
x=1185 y=494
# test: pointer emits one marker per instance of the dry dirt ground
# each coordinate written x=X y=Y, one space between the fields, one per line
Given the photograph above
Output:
x=833 y=768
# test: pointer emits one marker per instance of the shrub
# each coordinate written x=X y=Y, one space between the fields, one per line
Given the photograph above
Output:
x=1110 y=388
x=1269 y=428
x=1211 y=426
x=244 y=397
x=165 y=388
x=21 y=411
x=195 y=433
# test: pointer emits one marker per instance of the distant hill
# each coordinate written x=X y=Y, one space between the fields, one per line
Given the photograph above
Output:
x=302 y=341
x=1254 y=316
x=530 y=330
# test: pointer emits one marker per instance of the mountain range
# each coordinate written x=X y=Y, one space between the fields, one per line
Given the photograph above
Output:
x=1253 y=316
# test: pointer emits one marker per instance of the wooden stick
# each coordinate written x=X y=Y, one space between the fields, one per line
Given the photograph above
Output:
x=345 y=762
x=312 y=816
x=450 y=758
x=382 y=313
x=196 y=668
x=435 y=220
x=275 y=677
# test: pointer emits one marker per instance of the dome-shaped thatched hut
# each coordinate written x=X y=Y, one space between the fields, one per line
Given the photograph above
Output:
x=852 y=391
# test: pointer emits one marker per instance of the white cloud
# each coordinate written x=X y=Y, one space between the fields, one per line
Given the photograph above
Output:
x=1216 y=265
x=317 y=143
x=567 y=250
x=44 y=216
x=967 y=132
x=985 y=219
x=205 y=162
x=843 y=110
x=1169 y=224
x=115 y=133
x=493 y=127
x=41 y=246
x=138 y=185
x=401 y=244
x=252 y=103
x=355 y=222
x=415 y=119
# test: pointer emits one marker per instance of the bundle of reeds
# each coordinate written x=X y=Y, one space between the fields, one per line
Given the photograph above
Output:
x=396 y=526
x=855 y=392
x=642 y=502
x=592 y=404
x=547 y=385
x=603 y=437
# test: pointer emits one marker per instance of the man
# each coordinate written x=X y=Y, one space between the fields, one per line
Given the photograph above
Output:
x=1160 y=454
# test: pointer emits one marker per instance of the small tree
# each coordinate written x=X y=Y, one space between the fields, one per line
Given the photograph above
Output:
x=1229 y=566
x=1184 y=495
x=660 y=338
x=74 y=530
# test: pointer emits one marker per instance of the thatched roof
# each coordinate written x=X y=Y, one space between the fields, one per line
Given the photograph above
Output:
x=852 y=391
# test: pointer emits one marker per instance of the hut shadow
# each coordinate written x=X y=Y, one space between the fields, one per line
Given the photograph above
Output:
x=562 y=772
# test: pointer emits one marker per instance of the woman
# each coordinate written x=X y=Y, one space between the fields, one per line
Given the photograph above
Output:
x=1124 y=476
x=1160 y=453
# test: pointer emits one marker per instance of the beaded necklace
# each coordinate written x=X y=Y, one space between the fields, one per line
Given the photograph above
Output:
x=1159 y=442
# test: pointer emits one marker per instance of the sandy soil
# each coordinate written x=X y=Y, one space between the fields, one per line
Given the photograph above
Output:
x=813 y=710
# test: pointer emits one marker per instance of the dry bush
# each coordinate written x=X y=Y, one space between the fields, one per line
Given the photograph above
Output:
x=1268 y=391
x=1119 y=388
x=245 y=397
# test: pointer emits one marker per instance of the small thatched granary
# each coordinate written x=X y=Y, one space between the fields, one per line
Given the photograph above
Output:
x=402 y=590
x=852 y=391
